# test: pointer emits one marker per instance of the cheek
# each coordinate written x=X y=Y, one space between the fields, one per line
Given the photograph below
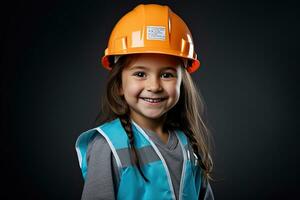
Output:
x=129 y=86
x=179 y=82
x=132 y=89
x=174 y=90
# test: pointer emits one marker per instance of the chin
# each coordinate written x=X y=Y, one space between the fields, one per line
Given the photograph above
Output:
x=154 y=116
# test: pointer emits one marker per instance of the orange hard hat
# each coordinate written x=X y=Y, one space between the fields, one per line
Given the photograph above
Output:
x=151 y=28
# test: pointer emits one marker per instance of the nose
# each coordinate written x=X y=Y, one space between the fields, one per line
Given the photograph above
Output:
x=154 y=85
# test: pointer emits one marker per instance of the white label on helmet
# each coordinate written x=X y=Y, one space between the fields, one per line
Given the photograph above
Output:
x=156 y=33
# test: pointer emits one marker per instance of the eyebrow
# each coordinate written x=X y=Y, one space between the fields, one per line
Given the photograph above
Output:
x=147 y=68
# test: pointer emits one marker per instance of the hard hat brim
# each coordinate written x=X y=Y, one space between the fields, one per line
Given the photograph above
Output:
x=191 y=68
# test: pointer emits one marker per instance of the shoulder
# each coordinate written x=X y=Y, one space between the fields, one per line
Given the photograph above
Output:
x=97 y=140
x=92 y=136
x=98 y=145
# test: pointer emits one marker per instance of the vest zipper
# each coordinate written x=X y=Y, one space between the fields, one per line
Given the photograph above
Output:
x=160 y=156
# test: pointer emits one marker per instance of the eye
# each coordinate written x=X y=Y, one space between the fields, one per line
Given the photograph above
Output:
x=167 y=75
x=139 y=74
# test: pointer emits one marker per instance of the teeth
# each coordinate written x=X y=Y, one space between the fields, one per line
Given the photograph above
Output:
x=152 y=100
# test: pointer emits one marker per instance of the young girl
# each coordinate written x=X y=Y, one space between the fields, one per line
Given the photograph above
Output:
x=150 y=141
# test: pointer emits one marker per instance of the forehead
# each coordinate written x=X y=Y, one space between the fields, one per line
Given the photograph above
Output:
x=155 y=61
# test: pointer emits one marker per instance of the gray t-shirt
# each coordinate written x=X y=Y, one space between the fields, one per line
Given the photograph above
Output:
x=103 y=176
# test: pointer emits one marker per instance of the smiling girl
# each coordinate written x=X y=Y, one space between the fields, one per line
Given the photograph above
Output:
x=150 y=141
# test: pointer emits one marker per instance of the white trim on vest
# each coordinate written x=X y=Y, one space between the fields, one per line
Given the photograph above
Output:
x=183 y=168
x=160 y=156
x=118 y=161
x=79 y=155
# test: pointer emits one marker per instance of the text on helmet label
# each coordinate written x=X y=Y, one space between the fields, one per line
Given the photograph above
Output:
x=156 y=33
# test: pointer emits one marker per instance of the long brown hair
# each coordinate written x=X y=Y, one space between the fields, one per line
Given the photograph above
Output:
x=187 y=115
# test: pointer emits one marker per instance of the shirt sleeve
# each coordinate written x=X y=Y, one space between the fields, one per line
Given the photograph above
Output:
x=100 y=179
x=206 y=192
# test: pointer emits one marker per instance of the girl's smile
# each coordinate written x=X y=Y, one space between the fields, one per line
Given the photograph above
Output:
x=153 y=101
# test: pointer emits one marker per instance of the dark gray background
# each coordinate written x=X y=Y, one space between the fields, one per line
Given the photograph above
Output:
x=52 y=81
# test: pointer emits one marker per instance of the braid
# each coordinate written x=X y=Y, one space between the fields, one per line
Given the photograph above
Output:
x=201 y=157
x=125 y=121
x=194 y=145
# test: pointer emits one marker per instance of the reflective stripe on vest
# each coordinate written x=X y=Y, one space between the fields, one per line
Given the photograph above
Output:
x=153 y=165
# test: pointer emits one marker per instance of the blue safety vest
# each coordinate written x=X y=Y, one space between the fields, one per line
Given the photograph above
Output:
x=132 y=186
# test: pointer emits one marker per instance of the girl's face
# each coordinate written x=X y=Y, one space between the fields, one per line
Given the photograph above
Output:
x=151 y=85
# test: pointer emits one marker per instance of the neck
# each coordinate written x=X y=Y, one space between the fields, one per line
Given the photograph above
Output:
x=155 y=125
